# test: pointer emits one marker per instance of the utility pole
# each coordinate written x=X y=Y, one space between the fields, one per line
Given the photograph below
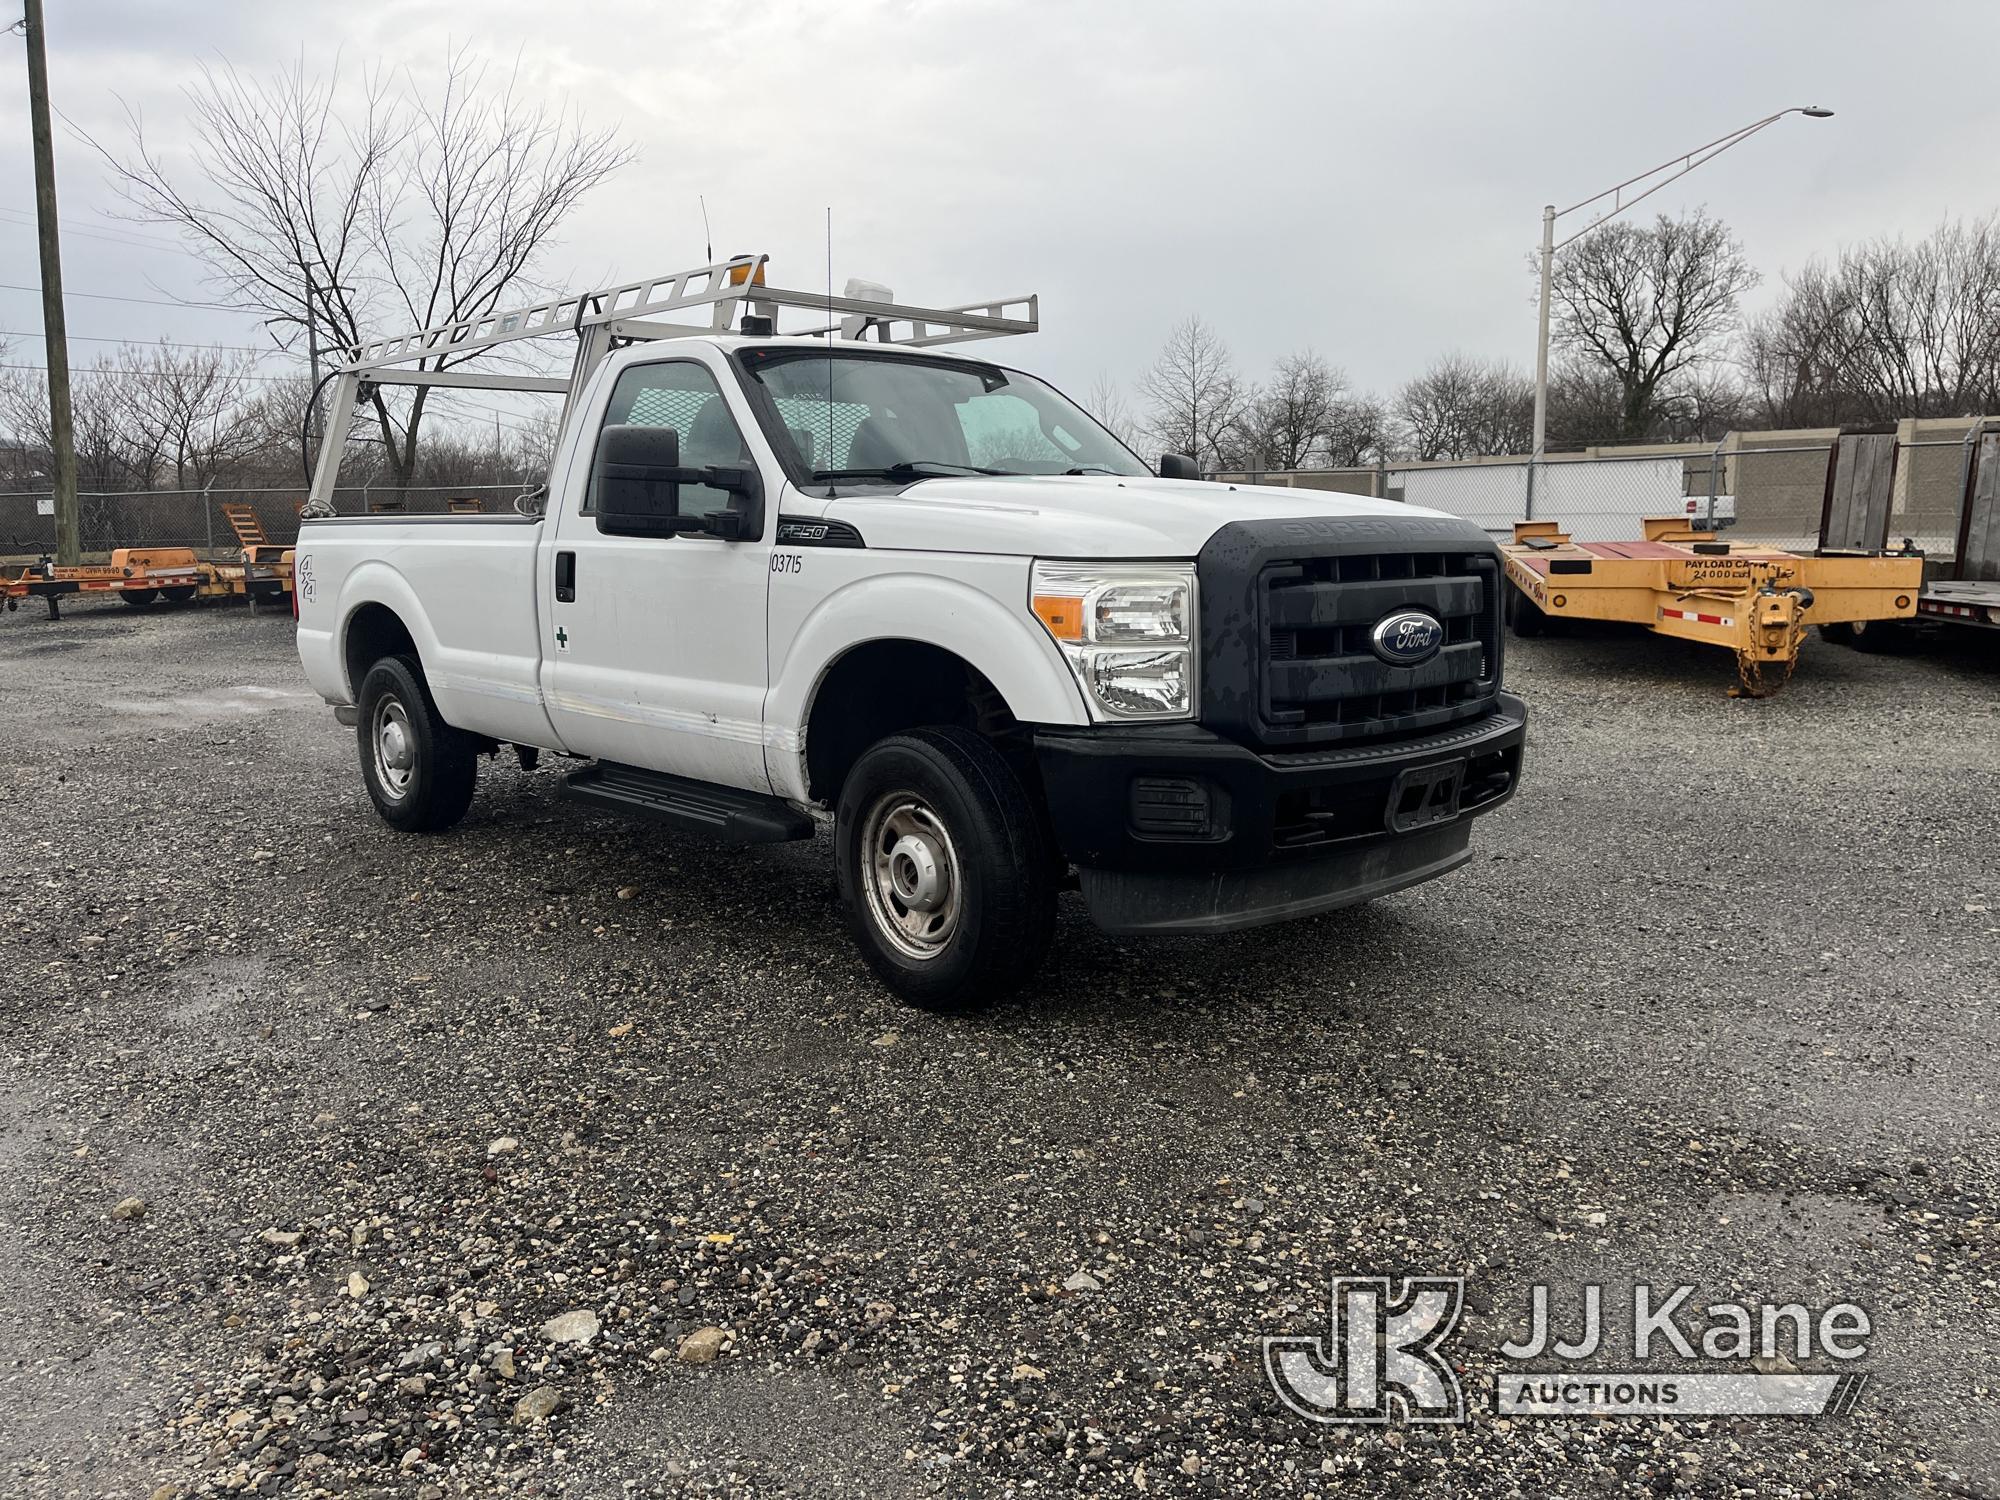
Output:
x=62 y=444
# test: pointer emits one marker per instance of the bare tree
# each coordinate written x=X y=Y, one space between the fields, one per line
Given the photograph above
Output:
x=1357 y=432
x=1195 y=399
x=535 y=443
x=1889 y=330
x=186 y=412
x=1651 y=306
x=274 y=421
x=1107 y=403
x=106 y=457
x=407 y=205
x=1462 y=407
x=1286 y=425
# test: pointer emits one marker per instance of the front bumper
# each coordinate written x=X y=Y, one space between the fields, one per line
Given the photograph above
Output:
x=1174 y=828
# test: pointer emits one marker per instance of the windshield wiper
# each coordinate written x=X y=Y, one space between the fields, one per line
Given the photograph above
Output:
x=921 y=468
x=1089 y=469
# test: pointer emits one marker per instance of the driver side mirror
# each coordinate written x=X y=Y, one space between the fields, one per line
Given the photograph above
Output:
x=1178 y=466
x=639 y=479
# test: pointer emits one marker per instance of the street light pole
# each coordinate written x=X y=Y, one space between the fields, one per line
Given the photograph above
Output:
x=1550 y=213
x=1542 y=342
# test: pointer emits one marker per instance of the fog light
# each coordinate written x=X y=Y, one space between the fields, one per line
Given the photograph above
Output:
x=1172 y=807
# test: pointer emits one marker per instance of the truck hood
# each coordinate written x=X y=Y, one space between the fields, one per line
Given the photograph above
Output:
x=1080 y=515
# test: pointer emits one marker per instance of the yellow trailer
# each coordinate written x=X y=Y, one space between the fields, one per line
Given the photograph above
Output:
x=142 y=576
x=1756 y=601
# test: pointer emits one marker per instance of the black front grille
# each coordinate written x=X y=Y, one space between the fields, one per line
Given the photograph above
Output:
x=1321 y=679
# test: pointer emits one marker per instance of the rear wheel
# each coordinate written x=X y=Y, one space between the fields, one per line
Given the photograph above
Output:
x=1878 y=637
x=180 y=595
x=945 y=869
x=139 y=598
x=418 y=769
x=1526 y=616
x=1838 y=634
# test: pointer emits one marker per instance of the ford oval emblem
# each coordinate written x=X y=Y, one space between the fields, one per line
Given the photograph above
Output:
x=1408 y=638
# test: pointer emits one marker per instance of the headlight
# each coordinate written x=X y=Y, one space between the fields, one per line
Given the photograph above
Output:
x=1127 y=631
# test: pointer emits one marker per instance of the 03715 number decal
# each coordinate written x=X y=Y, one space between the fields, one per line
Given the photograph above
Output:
x=787 y=562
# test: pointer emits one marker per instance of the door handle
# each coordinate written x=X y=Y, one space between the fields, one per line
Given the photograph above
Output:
x=565 y=578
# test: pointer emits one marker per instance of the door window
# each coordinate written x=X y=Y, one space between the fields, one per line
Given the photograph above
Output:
x=683 y=395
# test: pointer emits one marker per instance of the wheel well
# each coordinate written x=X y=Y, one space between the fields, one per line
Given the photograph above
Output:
x=375 y=631
x=882 y=688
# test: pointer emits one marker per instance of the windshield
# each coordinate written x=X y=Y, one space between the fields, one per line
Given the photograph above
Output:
x=872 y=416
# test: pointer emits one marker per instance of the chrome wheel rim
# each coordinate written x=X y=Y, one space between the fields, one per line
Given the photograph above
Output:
x=395 y=747
x=910 y=873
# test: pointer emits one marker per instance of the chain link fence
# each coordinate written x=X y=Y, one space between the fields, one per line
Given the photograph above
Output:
x=1775 y=489
x=197 y=518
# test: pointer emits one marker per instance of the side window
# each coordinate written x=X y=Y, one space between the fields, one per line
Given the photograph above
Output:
x=682 y=395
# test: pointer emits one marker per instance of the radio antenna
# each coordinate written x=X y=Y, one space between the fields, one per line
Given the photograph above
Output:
x=707 y=236
x=829 y=335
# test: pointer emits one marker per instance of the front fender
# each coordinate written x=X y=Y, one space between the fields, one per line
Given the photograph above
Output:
x=1003 y=644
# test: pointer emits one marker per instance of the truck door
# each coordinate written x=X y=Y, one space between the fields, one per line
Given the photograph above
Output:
x=654 y=647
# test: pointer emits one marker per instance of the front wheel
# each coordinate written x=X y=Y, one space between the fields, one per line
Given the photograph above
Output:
x=418 y=769
x=944 y=868
x=139 y=598
x=181 y=595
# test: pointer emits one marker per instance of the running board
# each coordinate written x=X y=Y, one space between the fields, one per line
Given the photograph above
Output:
x=732 y=816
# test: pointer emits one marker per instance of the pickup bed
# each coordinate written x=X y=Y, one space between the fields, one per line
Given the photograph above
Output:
x=781 y=585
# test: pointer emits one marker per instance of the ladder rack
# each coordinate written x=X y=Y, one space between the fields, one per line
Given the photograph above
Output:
x=606 y=318
x=629 y=311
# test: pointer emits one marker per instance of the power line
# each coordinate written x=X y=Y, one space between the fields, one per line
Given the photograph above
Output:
x=461 y=412
x=140 y=240
x=9 y=286
x=104 y=370
x=86 y=338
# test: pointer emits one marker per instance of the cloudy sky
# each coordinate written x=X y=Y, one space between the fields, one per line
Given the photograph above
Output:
x=1362 y=178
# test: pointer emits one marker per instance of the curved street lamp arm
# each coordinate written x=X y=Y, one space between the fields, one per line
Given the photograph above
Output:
x=1700 y=156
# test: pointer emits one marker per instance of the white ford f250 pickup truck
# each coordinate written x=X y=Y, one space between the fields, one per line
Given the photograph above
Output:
x=781 y=577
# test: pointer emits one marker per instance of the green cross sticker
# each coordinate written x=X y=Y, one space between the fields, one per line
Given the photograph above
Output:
x=562 y=639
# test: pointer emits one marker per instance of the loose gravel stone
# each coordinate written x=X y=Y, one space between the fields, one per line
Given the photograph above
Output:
x=702 y=1346
x=577 y=1327
x=542 y=1402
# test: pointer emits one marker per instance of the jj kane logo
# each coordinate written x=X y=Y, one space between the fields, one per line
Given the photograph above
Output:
x=1381 y=1354
x=1384 y=1357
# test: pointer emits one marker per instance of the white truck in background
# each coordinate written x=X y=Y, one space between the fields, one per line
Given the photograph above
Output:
x=778 y=579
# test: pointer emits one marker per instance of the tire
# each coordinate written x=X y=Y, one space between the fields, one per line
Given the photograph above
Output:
x=139 y=598
x=419 y=771
x=1526 y=617
x=182 y=595
x=1878 y=637
x=939 y=815
x=1839 y=634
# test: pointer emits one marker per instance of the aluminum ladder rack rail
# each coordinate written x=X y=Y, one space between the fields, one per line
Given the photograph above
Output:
x=603 y=318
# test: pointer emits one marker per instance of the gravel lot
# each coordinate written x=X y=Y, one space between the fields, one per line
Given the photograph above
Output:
x=1712 y=1005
